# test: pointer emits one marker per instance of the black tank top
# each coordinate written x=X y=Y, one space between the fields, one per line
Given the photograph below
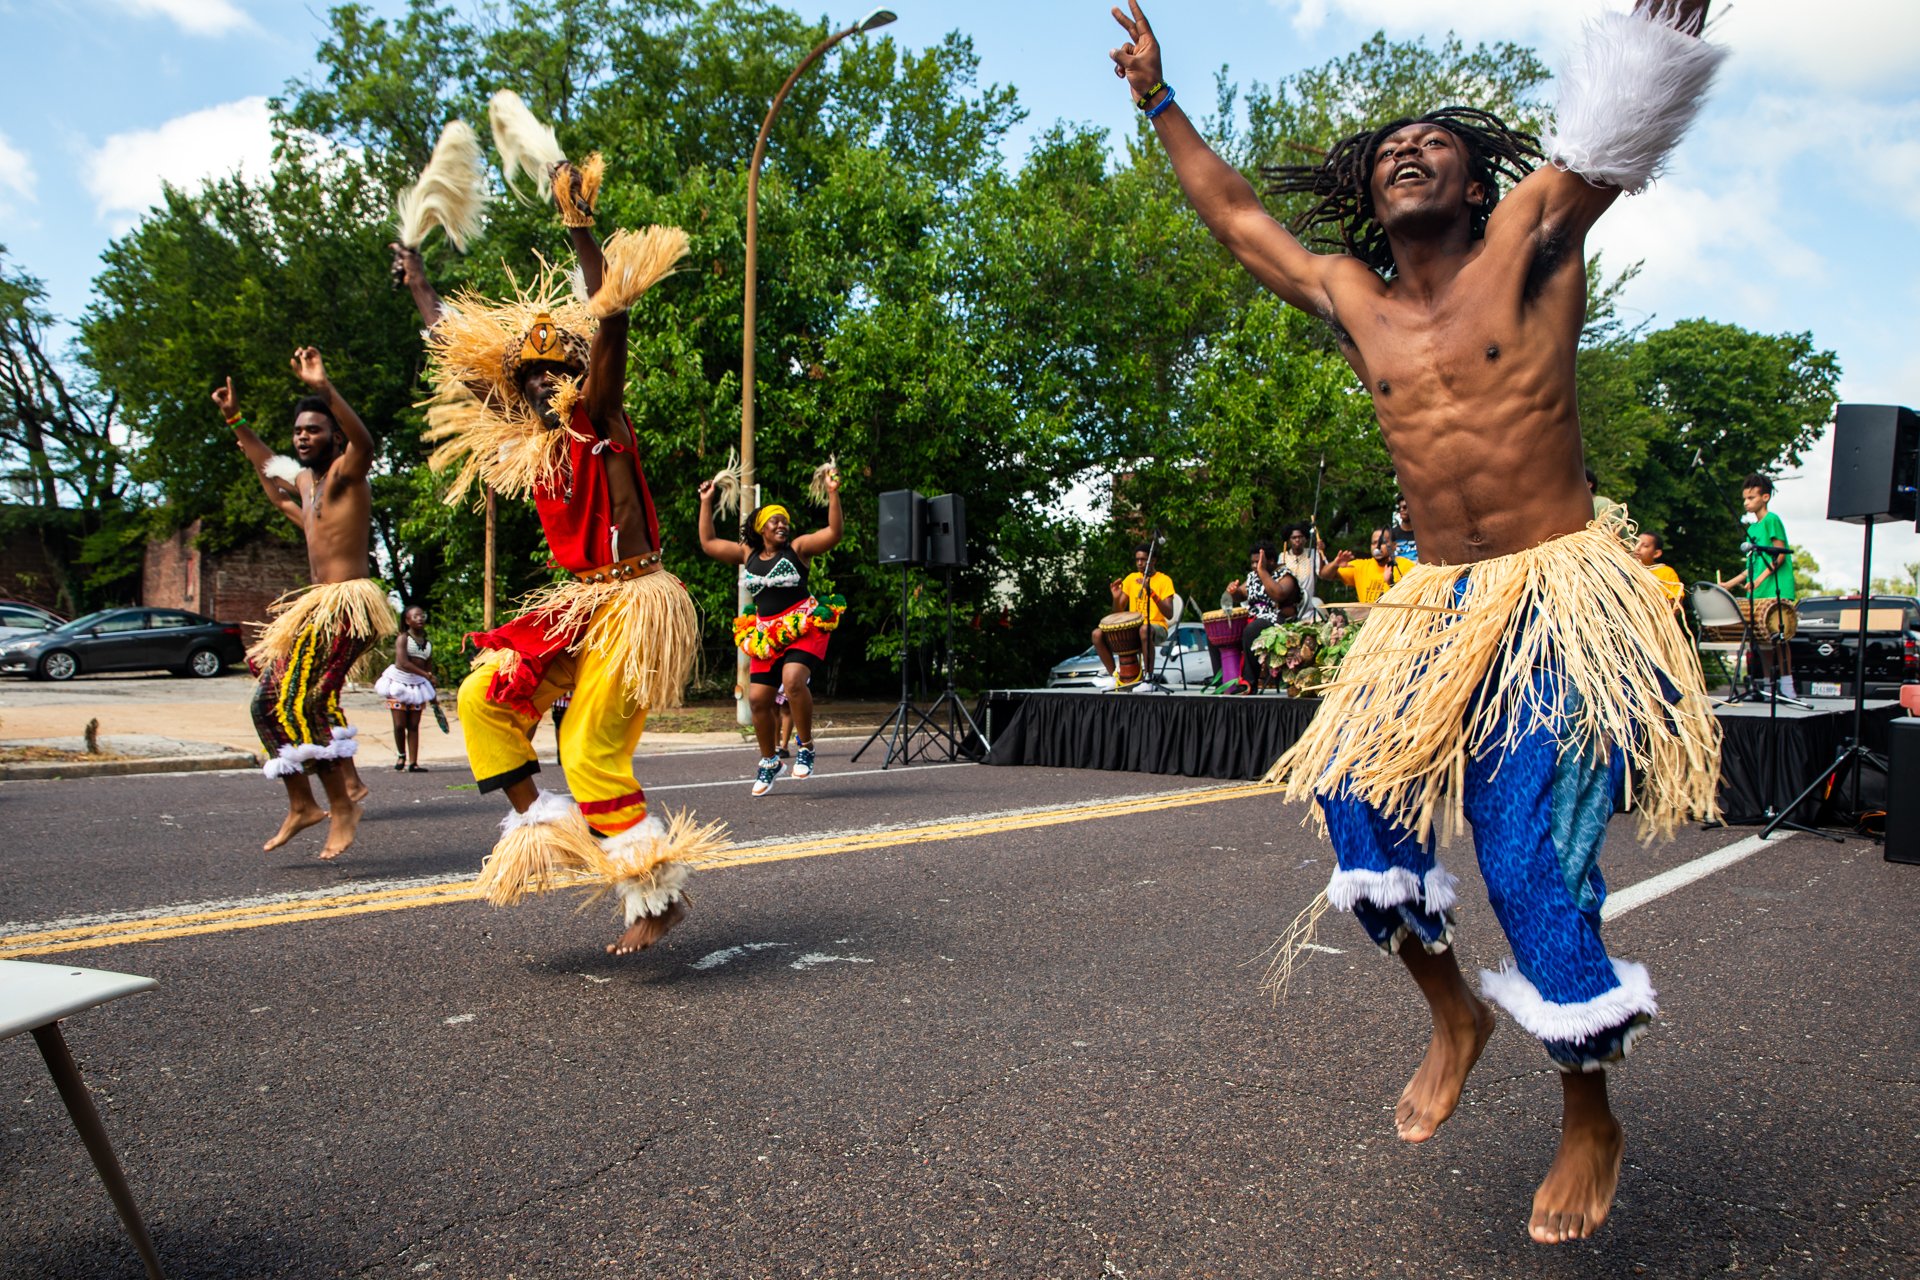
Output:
x=776 y=583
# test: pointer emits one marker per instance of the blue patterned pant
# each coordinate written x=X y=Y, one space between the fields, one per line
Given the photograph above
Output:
x=1539 y=811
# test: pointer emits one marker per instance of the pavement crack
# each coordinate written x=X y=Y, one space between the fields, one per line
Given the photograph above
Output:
x=533 y=1201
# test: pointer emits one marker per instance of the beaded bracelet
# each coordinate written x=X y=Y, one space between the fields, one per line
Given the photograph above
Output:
x=1154 y=111
x=237 y=420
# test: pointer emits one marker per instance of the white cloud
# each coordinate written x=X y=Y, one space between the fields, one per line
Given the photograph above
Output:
x=1863 y=45
x=17 y=178
x=125 y=173
x=195 y=17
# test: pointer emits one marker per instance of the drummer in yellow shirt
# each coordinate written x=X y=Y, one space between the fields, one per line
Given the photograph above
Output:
x=1151 y=599
x=1370 y=578
x=1648 y=549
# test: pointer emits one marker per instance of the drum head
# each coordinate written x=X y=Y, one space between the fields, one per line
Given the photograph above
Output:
x=1122 y=621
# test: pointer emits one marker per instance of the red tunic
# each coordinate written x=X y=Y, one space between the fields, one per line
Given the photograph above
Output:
x=577 y=517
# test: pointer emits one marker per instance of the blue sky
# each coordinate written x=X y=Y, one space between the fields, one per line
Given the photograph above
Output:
x=1793 y=206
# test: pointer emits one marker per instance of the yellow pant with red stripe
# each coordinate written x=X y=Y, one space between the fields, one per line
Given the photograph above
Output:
x=597 y=738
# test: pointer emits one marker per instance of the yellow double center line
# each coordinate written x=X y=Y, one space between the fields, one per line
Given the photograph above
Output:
x=158 y=928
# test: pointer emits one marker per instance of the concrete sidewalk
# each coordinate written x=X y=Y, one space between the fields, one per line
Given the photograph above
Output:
x=146 y=713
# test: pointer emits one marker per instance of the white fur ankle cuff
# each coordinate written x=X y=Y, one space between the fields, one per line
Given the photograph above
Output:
x=547 y=806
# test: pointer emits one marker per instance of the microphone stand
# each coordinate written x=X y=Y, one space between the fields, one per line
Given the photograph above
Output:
x=1146 y=641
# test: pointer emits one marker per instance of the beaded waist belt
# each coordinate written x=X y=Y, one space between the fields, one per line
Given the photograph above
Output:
x=620 y=570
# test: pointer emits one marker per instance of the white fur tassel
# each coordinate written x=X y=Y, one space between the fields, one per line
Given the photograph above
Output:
x=451 y=193
x=346 y=741
x=1627 y=96
x=284 y=469
x=817 y=484
x=1547 y=1020
x=726 y=486
x=525 y=145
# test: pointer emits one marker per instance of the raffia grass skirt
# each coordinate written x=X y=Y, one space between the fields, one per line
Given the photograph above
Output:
x=648 y=628
x=358 y=606
x=1444 y=669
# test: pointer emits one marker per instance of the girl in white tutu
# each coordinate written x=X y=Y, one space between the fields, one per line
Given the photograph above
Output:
x=407 y=686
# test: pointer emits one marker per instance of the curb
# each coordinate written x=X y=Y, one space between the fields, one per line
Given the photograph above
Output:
x=44 y=769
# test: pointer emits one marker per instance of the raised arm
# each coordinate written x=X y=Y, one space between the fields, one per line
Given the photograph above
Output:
x=278 y=481
x=724 y=550
x=357 y=461
x=410 y=270
x=604 y=391
x=824 y=540
x=1219 y=193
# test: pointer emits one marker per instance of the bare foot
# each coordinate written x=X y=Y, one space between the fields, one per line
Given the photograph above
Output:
x=1578 y=1190
x=647 y=930
x=1433 y=1093
x=357 y=790
x=340 y=832
x=298 y=820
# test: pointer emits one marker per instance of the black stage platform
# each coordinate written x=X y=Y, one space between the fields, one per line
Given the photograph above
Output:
x=1208 y=736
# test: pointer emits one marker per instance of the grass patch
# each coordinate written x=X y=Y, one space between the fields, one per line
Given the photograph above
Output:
x=44 y=755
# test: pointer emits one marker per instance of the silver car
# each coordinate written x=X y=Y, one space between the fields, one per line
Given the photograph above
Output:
x=1181 y=662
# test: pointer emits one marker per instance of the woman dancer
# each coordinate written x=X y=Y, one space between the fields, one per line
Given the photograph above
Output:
x=785 y=637
x=407 y=685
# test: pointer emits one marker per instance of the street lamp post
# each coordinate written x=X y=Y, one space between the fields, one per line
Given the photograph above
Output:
x=749 y=493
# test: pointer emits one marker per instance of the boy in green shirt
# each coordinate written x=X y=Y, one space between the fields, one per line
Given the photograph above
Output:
x=1768 y=574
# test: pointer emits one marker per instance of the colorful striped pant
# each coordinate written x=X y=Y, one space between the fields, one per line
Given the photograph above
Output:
x=296 y=704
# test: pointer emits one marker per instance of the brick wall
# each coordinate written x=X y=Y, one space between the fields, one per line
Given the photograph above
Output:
x=229 y=586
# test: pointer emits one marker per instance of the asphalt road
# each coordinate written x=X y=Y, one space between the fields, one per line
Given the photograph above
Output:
x=990 y=1041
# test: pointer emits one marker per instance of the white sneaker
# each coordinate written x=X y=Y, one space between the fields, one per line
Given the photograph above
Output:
x=803 y=762
x=766 y=775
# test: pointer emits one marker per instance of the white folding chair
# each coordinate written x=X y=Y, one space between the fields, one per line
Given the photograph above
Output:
x=1722 y=625
x=34 y=997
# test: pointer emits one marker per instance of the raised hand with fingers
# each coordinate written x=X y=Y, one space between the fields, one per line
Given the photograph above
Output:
x=308 y=367
x=1138 y=60
x=226 y=402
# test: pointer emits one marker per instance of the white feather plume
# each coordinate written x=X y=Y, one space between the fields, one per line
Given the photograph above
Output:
x=284 y=469
x=451 y=193
x=726 y=486
x=1626 y=97
x=526 y=146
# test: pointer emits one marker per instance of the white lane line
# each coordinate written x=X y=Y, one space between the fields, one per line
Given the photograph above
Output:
x=362 y=887
x=1621 y=901
x=743 y=784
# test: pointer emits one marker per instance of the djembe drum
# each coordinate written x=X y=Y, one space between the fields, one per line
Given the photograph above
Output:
x=1772 y=619
x=1122 y=631
x=1225 y=627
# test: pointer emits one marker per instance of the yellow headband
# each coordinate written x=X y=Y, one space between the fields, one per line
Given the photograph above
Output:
x=768 y=513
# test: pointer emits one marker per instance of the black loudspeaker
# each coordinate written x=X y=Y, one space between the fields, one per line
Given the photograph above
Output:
x=947 y=531
x=903 y=525
x=1903 y=790
x=1876 y=464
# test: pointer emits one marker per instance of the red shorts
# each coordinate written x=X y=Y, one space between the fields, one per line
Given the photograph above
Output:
x=810 y=651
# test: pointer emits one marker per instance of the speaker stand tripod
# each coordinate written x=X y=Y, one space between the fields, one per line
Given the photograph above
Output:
x=1854 y=755
x=906 y=719
x=958 y=743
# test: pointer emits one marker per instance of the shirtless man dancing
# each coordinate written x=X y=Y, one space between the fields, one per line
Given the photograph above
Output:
x=318 y=634
x=1508 y=678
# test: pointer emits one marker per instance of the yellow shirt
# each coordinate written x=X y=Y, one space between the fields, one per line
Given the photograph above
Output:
x=1137 y=597
x=1368 y=577
x=1669 y=581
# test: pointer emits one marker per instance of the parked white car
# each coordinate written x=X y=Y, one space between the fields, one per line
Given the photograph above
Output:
x=1181 y=662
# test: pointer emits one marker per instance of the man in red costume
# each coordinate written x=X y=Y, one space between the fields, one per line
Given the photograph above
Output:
x=531 y=397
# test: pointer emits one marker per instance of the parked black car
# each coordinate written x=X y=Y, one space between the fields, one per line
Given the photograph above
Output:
x=126 y=640
x=1824 y=649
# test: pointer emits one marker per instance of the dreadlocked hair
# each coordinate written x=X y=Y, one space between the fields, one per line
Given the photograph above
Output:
x=1344 y=180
